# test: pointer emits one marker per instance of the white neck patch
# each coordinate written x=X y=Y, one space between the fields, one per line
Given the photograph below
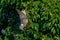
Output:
x=23 y=12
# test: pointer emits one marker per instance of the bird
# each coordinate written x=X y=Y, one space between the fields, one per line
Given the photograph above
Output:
x=23 y=18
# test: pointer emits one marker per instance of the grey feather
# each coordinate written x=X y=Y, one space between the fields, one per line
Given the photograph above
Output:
x=3 y=31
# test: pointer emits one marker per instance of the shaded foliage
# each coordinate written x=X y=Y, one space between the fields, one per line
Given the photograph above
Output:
x=43 y=15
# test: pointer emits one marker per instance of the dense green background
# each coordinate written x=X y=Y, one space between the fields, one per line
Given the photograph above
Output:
x=43 y=15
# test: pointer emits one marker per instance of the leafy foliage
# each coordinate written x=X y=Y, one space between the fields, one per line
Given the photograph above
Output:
x=43 y=15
